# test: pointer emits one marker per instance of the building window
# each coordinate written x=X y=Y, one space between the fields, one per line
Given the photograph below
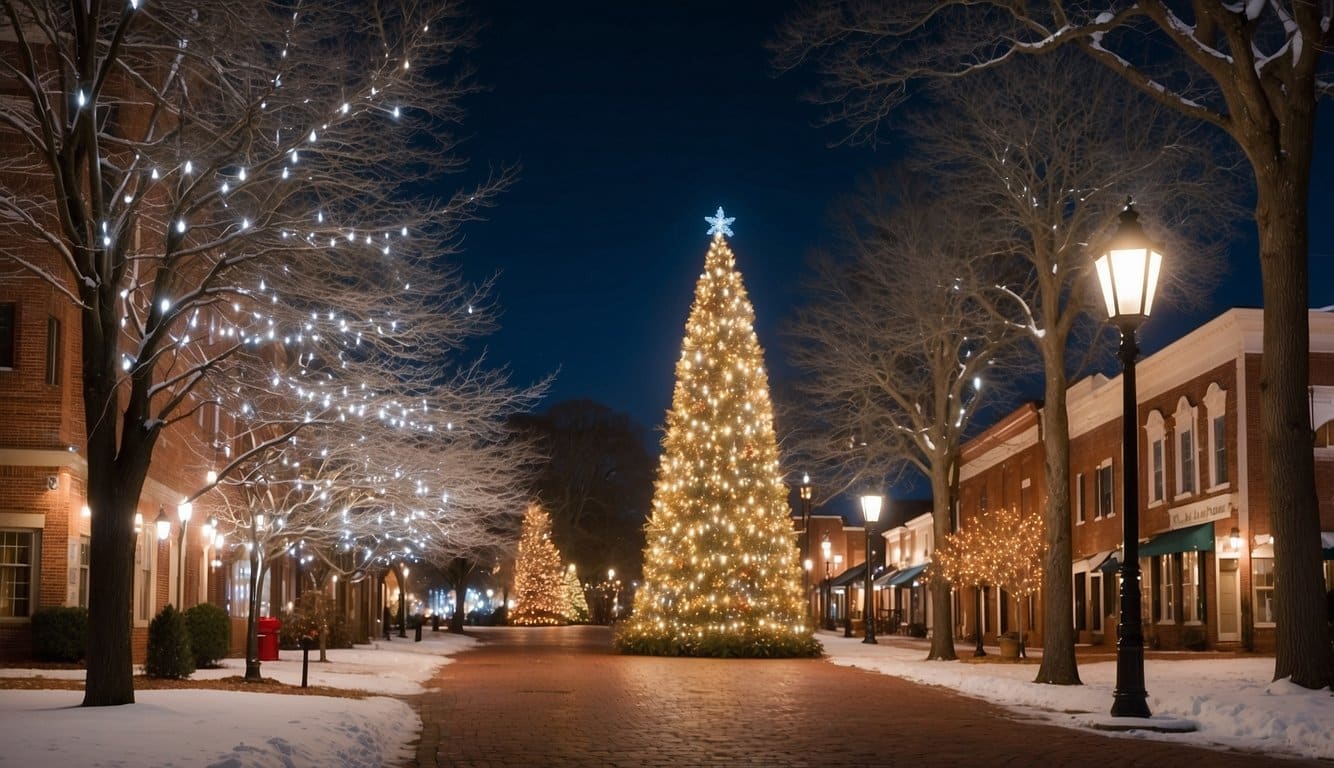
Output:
x=1148 y=602
x=1155 y=431
x=1166 y=592
x=145 y=558
x=1081 y=492
x=1187 y=474
x=1192 y=588
x=8 y=333
x=1157 y=487
x=1215 y=404
x=17 y=560
x=1262 y=579
x=1324 y=435
x=1105 y=497
x=54 y=361
x=83 y=571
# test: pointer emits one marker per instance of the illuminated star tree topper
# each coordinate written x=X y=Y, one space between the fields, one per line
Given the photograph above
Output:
x=720 y=224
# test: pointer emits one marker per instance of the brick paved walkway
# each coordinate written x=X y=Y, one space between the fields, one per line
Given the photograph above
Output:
x=561 y=697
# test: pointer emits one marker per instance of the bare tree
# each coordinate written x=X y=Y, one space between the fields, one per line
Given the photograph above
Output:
x=1254 y=70
x=597 y=481
x=1043 y=165
x=896 y=346
x=249 y=168
x=357 y=495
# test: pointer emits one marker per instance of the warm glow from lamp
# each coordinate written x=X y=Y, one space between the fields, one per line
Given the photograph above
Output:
x=826 y=546
x=185 y=509
x=1234 y=538
x=163 y=524
x=1128 y=271
x=871 y=504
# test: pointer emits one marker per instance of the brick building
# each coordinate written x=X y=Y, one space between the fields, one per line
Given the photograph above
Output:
x=1206 y=542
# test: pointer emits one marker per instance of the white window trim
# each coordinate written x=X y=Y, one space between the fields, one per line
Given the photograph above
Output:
x=1111 y=508
x=1155 y=431
x=34 y=572
x=1255 y=591
x=1215 y=406
x=1080 y=489
x=1197 y=587
x=1186 y=414
x=149 y=550
x=1166 y=590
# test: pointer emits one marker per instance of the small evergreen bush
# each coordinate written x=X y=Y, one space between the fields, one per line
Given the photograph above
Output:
x=210 y=634
x=169 y=654
x=60 y=634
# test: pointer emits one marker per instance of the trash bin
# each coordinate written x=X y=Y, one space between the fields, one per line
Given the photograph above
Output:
x=267 y=632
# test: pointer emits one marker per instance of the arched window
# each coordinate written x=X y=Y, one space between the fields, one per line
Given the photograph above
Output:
x=1187 y=468
x=1155 y=432
x=1215 y=406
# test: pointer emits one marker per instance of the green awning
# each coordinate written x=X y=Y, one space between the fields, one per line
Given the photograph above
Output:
x=854 y=574
x=1197 y=538
x=905 y=576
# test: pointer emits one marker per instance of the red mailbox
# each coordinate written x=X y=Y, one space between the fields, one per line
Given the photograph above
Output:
x=267 y=633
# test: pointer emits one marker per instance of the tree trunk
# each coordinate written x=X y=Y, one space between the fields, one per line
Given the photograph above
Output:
x=252 y=621
x=1058 y=632
x=943 y=493
x=1303 y=648
x=460 y=600
x=110 y=677
x=115 y=480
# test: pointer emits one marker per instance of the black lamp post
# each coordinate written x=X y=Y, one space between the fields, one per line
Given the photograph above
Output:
x=806 y=537
x=871 y=512
x=826 y=619
x=1128 y=274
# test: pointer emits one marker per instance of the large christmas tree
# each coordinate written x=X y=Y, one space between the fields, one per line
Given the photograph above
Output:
x=539 y=580
x=720 y=570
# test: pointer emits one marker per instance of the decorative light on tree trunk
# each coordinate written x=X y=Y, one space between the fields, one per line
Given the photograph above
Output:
x=721 y=575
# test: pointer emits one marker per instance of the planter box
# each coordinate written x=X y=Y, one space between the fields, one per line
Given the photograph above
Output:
x=1009 y=648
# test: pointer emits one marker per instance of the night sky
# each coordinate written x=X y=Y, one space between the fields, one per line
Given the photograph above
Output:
x=633 y=121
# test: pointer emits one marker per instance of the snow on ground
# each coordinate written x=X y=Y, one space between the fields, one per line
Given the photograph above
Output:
x=1231 y=701
x=225 y=729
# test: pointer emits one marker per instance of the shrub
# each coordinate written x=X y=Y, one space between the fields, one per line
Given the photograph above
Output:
x=60 y=634
x=169 y=653
x=210 y=634
x=917 y=629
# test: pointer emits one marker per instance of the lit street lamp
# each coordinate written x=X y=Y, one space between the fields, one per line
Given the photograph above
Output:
x=826 y=617
x=1128 y=274
x=806 y=536
x=871 y=512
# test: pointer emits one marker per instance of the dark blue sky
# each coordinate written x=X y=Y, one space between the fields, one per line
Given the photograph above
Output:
x=634 y=120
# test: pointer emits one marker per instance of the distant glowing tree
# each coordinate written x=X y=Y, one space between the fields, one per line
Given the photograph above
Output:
x=1001 y=548
x=539 y=580
x=576 y=605
x=720 y=570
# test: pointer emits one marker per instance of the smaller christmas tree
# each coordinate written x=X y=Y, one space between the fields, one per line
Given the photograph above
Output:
x=539 y=580
x=576 y=606
x=1001 y=548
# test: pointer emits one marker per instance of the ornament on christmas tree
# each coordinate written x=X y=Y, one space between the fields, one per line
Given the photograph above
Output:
x=721 y=576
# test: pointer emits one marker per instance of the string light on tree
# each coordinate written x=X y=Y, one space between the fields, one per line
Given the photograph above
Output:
x=721 y=575
x=539 y=579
